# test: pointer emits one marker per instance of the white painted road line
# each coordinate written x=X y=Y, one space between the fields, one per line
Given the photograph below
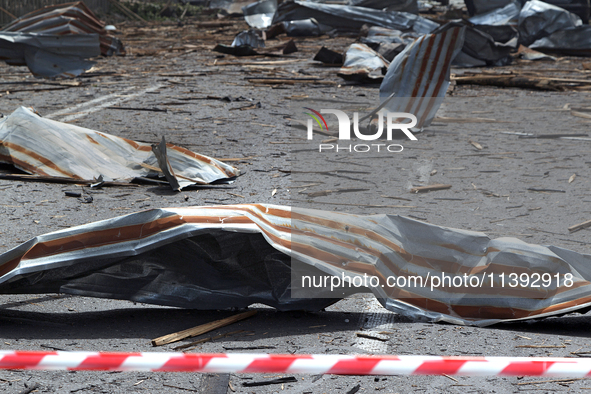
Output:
x=81 y=109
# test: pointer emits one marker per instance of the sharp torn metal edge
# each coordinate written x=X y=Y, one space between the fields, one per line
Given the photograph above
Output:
x=160 y=153
x=233 y=256
x=47 y=147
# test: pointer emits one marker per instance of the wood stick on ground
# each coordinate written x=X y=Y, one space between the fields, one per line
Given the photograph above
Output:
x=230 y=159
x=512 y=81
x=579 y=226
x=202 y=329
x=127 y=11
x=549 y=381
x=30 y=389
x=275 y=81
x=430 y=188
x=195 y=343
x=8 y=13
x=541 y=346
x=165 y=7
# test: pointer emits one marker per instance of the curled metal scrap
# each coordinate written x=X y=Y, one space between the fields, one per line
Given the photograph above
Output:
x=67 y=19
x=49 y=148
x=236 y=255
x=249 y=38
x=360 y=63
x=419 y=76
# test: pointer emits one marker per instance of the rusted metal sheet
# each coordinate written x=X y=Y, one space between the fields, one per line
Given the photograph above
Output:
x=65 y=19
x=419 y=76
x=49 y=148
x=236 y=255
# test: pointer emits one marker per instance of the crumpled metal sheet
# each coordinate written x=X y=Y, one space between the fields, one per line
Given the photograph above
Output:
x=507 y=15
x=482 y=49
x=574 y=41
x=302 y=28
x=477 y=7
x=411 y=6
x=348 y=18
x=363 y=64
x=50 y=55
x=379 y=35
x=236 y=255
x=248 y=38
x=66 y=19
x=539 y=19
x=419 y=76
x=49 y=148
x=259 y=15
x=582 y=8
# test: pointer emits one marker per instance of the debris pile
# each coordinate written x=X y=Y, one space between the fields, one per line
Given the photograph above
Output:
x=494 y=32
x=56 y=40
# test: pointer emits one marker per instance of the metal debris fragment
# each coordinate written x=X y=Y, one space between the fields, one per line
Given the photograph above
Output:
x=49 y=148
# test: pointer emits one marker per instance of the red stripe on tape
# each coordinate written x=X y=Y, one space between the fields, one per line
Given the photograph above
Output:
x=355 y=366
x=273 y=363
x=103 y=361
x=438 y=367
x=189 y=362
x=520 y=368
x=23 y=360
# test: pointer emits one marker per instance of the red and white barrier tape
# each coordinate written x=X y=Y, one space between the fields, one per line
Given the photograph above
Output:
x=307 y=364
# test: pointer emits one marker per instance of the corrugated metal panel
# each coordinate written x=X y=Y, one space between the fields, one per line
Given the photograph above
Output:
x=49 y=148
x=214 y=257
x=418 y=77
x=65 y=19
x=22 y=7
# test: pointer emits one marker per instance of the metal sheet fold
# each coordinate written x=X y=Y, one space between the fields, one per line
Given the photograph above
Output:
x=363 y=64
x=348 y=18
x=49 y=55
x=67 y=19
x=49 y=148
x=419 y=76
x=539 y=19
x=236 y=255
